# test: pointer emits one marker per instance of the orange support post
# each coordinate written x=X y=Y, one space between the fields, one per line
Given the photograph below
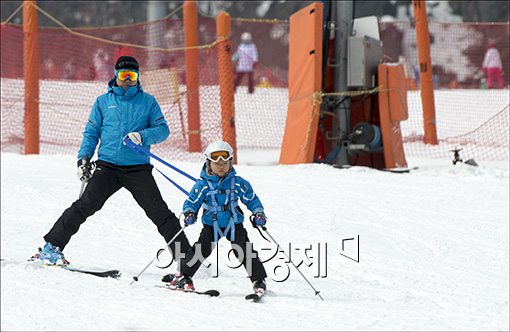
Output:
x=426 y=83
x=305 y=77
x=226 y=76
x=191 y=59
x=392 y=110
x=31 y=75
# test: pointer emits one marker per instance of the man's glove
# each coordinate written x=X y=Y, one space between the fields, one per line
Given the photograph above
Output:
x=259 y=219
x=190 y=218
x=134 y=137
x=84 y=170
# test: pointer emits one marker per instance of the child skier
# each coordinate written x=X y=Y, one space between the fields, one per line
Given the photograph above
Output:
x=217 y=192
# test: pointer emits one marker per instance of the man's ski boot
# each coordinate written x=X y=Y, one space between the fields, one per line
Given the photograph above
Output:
x=179 y=281
x=50 y=255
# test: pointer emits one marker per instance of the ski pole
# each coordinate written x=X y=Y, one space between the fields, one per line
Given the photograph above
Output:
x=82 y=189
x=135 y=278
x=274 y=241
x=84 y=182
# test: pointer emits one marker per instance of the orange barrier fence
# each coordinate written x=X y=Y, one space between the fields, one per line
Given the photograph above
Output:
x=75 y=64
x=305 y=51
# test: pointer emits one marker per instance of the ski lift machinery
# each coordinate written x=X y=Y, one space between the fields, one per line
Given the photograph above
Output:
x=357 y=54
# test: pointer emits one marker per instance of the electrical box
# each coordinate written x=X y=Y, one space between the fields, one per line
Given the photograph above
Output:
x=363 y=56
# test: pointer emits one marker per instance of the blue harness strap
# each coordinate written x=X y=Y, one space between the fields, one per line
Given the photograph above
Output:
x=230 y=204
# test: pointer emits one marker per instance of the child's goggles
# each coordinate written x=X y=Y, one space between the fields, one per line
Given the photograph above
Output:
x=217 y=155
x=123 y=74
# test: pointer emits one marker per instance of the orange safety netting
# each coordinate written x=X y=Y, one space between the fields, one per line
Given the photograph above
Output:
x=75 y=70
x=468 y=114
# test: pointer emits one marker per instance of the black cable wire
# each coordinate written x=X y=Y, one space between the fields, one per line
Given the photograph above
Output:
x=353 y=15
x=325 y=46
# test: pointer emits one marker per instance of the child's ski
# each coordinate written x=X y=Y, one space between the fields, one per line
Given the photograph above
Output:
x=255 y=297
x=210 y=292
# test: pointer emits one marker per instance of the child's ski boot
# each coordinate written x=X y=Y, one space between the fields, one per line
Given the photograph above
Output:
x=179 y=281
x=259 y=286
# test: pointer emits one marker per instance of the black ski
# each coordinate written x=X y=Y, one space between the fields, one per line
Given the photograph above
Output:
x=210 y=292
x=255 y=297
x=98 y=273
x=102 y=274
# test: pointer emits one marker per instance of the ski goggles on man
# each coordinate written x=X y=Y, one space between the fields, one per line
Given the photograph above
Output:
x=217 y=155
x=123 y=74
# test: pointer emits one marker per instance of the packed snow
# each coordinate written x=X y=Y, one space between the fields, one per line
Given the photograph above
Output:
x=433 y=251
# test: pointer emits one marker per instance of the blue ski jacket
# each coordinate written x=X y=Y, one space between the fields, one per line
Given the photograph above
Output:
x=219 y=199
x=114 y=115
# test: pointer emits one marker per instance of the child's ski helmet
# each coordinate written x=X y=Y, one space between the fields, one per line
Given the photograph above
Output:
x=219 y=150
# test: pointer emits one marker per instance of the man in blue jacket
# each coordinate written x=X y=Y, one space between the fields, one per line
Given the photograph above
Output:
x=125 y=112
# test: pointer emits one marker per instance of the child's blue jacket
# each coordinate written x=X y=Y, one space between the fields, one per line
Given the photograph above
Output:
x=219 y=198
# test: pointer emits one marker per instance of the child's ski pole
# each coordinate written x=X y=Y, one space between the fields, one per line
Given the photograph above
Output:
x=274 y=241
x=135 y=278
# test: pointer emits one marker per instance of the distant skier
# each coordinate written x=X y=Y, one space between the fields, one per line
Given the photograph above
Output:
x=492 y=66
x=125 y=112
x=247 y=58
x=217 y=192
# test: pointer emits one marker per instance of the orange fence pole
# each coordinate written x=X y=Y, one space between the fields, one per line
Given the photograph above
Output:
x=426 y=84
x=31 y=75
x=226 y=76
x=191 y=59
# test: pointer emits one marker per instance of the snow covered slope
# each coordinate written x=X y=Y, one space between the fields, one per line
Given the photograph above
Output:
x=433 y=252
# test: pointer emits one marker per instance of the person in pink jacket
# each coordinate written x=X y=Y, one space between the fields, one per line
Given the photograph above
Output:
x=246 y=58
x=492 y=66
